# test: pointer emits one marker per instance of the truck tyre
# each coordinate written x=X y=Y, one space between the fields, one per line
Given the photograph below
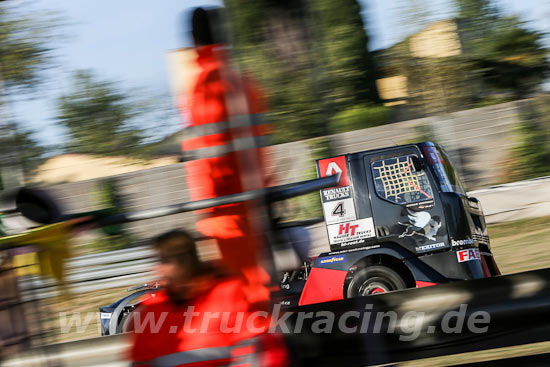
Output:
x=373 y=280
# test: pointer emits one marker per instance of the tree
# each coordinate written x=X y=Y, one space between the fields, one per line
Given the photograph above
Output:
x=479 y=13
x=100 y=118
x=311 y=57
x=30 y=152
x=272 y=44
x=24 y=50
x=497 y=58
x=514 y=60
x=17 y=145
x=24 y=54
x=505 y=54
x=344 y=50
x=436 y=81
x=531 y=157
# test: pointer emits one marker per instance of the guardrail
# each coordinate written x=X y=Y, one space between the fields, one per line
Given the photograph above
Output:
x=508 y=202
x=94 y=272
x=518 y=307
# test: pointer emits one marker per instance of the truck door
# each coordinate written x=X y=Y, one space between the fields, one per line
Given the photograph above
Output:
x=405 y=203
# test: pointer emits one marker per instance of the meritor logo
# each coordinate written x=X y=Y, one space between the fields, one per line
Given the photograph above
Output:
x=345 y=229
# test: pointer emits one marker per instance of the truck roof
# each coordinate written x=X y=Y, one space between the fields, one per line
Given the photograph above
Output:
x=377 y=150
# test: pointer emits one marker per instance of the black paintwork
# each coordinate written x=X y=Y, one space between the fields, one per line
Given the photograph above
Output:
x=461 y=219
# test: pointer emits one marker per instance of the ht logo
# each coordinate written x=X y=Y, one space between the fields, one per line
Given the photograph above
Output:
x=346 y=229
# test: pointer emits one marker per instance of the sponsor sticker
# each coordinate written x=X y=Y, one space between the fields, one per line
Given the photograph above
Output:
x=468 y=255
x=423 y=205
x=352 y=243
x=430 y=247
x=458 y=243
x=337 y=193
x=334 y=166
x=351 y=231
x=355 y=249
x=105 y=315
x=339 y=211
x=331 y=260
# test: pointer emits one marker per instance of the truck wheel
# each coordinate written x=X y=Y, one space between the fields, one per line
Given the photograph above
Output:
x=373 y=280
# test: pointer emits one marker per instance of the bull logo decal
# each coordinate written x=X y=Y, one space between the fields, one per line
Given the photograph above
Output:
x=421 y=224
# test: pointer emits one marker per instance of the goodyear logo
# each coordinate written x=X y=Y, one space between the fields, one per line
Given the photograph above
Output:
x=332 y=260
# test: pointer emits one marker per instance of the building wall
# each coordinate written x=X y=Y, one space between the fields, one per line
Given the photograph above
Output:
x=440 y=39
x=82 y=167
x=480 y=140
x=393 y=88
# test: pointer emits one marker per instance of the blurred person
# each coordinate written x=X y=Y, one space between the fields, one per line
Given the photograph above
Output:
x=194 y=319
x=224 y=145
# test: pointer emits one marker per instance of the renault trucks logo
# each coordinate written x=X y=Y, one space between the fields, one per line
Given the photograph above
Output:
x=468 y=255
x=334 y=166
x=333 y=169
x=336 y=193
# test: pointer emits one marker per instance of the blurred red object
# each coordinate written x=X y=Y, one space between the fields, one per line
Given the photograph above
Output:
x=224 y=145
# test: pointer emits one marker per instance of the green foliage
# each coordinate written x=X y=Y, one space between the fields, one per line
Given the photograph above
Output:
x=481 y=13
x=117 y=238
x=514 y=60
x=531 y=158
x=18 y=149
x=422 y=132
x=108 y=243
x=440 y=85
x=310 y=57
x=505 y=54
x=99 y=118
x=342 y=45
x=309 y=206
x=24 y=50
x=360 y=117
x=30 y=152
x=272 y=46
x=24 y=54
x=493 y=100
x=500 y=59
x=294 y=108
x=435 y=85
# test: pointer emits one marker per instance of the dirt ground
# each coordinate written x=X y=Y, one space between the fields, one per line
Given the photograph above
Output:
x=517 y=246
x=521 y=245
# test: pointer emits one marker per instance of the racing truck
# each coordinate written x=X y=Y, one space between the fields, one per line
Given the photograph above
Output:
x=395 y=218
x=398 y=218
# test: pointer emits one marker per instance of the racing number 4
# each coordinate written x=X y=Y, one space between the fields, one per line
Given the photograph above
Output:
x=339 y=210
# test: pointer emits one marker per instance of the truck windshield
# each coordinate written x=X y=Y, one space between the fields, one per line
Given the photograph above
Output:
x=448 y=178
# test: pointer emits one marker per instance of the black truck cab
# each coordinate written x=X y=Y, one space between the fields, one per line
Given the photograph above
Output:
x=399 y=218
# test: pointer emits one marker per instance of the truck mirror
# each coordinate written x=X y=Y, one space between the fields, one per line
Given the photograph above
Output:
x=417 y=163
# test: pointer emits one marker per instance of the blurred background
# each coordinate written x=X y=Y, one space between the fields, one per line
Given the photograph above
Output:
x=89 y=91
